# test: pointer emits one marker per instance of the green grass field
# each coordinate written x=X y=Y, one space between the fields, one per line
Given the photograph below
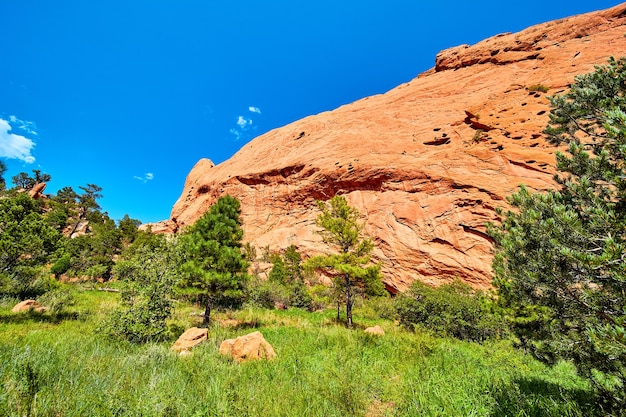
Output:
x=61 y=366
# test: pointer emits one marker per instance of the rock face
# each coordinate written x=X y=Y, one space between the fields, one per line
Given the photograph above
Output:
x=190 y=338
x=426 y=163
x=250 y=346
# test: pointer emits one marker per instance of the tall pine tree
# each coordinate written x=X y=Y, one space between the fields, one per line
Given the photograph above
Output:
x=351 y=262
x=214 y=267
x=560 y=264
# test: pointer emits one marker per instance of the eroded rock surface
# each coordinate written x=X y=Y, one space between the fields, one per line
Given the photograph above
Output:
x=191 y=338
x=426 y=163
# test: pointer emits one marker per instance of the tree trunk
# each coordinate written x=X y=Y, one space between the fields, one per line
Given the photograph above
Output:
x=207 y=312
x=348 y=302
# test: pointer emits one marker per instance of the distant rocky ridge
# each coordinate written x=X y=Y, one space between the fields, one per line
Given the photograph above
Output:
x=426 y=163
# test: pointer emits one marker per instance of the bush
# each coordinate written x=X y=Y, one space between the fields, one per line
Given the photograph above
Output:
x=453 y=309
x=538 y=88
x=266 y=294
x=61 y=265
x=148 y=280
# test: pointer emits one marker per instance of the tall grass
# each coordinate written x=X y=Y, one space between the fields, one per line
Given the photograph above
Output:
x=322 y=369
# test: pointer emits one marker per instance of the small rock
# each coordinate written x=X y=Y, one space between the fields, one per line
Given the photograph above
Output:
x=250 y=346
x=192 y=337
x=28 y=305
x=377 y=330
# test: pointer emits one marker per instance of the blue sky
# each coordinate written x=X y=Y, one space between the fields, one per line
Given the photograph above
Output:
x=129 y=95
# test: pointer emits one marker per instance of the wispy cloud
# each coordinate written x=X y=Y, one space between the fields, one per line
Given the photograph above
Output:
x=14 y=146
x=237 y=133
x=244 y=124
x=148 y=176
x=23 y=125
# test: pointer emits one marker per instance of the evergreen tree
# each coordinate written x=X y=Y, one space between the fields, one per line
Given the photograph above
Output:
x=351 y=262
x=278 y=272
x=26 y=244
x=3 y=169
x=25 y=181
x=66 y=195
x=560 y=262
x=293 y=265
x=214 y=266
x=128 y=228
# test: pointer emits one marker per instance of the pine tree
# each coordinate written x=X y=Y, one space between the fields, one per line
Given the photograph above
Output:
x=560 y=262
x=351 y=262
x=214 y=267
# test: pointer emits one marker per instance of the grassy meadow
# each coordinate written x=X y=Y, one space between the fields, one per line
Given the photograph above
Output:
x=60 y=365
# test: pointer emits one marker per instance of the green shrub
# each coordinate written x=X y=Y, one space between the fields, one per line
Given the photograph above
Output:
x=265 y=294
x=453 y=309
x=146 y=297
x=538 y=88
x=61 y=265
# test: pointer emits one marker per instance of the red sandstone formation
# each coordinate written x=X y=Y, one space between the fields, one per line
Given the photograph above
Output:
x=425 y=163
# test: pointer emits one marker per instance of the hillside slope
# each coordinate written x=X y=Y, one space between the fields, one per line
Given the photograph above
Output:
x=425 y=163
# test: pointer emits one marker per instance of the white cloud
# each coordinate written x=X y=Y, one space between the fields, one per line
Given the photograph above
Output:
x=148 y=176
x=245 y=125
x=243 y=122
x=14 y=146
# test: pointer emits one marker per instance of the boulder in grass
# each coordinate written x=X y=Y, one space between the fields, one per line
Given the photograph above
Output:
x=28 y=305
x=191 y=338
x=376 y=330
x=250 y=346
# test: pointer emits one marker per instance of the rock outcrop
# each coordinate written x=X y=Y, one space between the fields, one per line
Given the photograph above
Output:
x=250 y=346
x=426 y=163
x=37 y=191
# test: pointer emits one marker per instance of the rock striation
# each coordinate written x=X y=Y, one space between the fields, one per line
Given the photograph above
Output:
x=426 y=163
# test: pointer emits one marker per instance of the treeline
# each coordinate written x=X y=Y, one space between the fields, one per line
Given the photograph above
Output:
x=65 y=234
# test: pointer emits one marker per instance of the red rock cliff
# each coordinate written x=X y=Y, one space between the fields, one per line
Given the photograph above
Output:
x=425 y=163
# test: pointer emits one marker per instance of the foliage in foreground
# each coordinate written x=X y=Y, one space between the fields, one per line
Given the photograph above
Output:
x=560 y=265
x=148 y=280
x=453 y=309
x=63 y=369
